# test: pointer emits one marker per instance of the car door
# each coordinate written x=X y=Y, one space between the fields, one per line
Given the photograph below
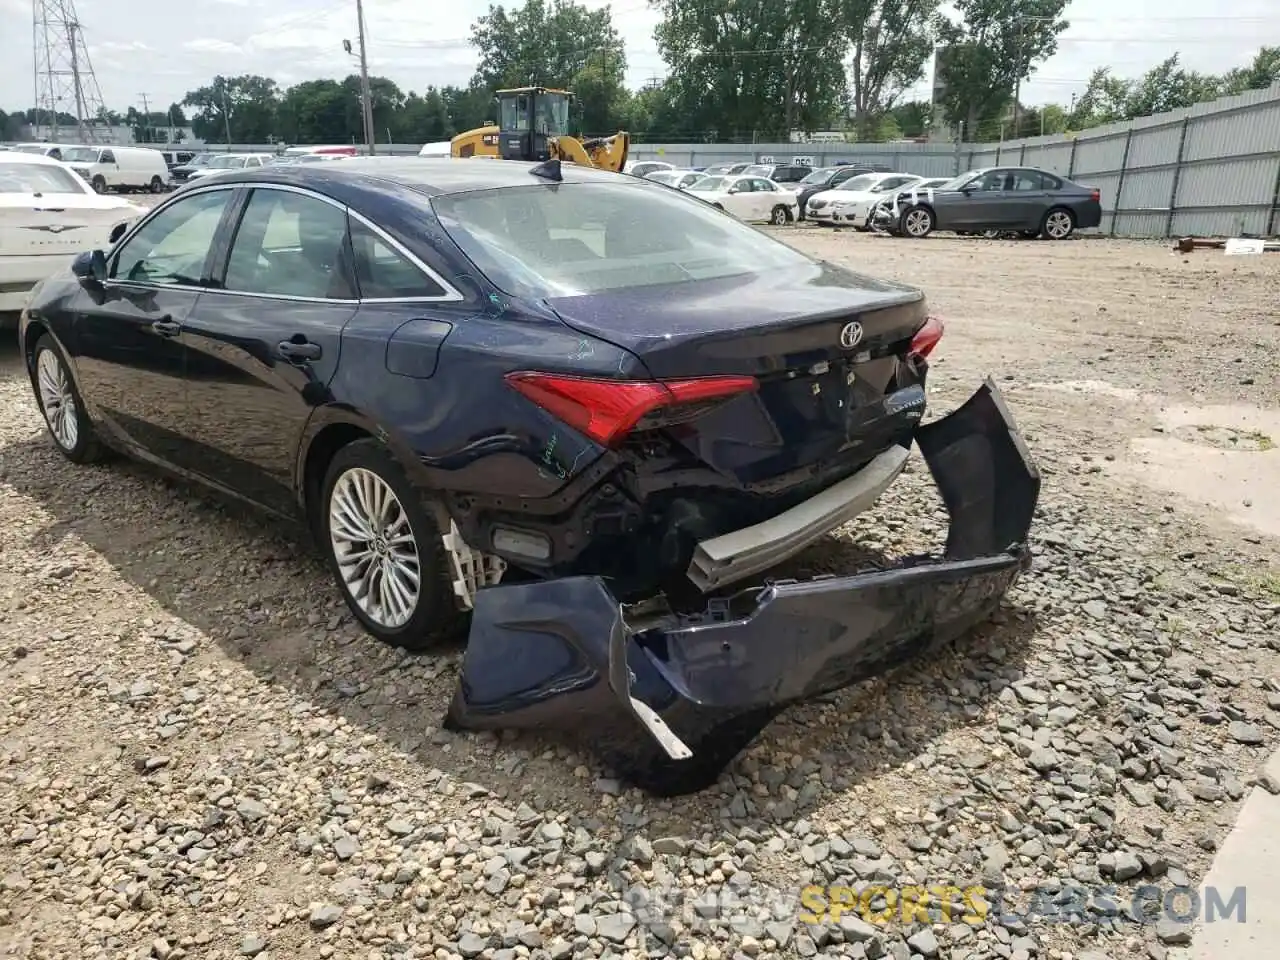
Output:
x=767 y=196
x=264 y=342
x=129 y=348
x=977 y=205
x=1027 y=201
x=741 y=200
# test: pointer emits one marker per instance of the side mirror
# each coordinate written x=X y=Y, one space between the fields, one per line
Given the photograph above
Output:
x=735 y=189
x=117 y=232
x=91 y=265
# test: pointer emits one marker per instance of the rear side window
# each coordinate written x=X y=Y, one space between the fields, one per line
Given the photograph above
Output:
x=575 y=239
x=291 y=246
x=384 y=273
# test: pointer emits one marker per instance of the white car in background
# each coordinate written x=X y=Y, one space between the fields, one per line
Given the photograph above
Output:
x=48 y=214
x=230 y=161
x=856 y=209
x=680 y=179
x=748 y=198
x=821 y=206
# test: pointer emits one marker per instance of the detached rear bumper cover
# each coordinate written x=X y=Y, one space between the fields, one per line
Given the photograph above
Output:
x=671 y=706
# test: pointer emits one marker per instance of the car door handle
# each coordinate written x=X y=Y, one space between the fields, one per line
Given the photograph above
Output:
x=166 y=327
x=296 y=352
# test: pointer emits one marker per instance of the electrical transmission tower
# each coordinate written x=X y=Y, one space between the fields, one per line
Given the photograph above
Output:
x=64 y=79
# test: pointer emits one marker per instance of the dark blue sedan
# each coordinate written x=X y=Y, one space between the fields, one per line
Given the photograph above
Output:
x=584 y=412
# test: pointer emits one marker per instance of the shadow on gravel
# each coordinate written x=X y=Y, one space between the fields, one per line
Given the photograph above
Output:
x=244 y=572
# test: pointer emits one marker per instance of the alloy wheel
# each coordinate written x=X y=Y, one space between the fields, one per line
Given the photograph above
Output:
x=779 y=216
x=374 y=546
x=1058 y=225
x=57 y=401
x=917 y=223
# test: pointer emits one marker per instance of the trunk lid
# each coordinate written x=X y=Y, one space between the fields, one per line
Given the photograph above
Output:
x=53 y=224
x=827 y=346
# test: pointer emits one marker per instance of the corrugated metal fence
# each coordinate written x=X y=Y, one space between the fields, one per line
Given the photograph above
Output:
x=1210 y=170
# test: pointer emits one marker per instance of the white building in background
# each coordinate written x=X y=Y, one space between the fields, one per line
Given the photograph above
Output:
x=119 y=135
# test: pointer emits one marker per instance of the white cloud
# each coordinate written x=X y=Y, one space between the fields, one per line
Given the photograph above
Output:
x=211 y=45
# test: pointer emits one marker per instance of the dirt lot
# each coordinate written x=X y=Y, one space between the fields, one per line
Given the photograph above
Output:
x=202 y=756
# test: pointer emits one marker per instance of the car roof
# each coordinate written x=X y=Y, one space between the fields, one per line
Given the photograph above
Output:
x=428 y=175
x=36 y=157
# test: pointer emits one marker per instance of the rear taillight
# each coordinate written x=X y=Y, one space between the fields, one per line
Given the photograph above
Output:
x=1096 y=195
x=927 y=337
x=607 y=410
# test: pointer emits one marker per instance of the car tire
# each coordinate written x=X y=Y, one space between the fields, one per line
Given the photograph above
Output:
x=60 y=404
x=361 y=476
x=917 y=222
x=99 y=183
x=157 y=185
x=779 y=216
x=1058 y=224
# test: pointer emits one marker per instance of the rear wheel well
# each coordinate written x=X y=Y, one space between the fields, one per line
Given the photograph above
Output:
x=324 y=447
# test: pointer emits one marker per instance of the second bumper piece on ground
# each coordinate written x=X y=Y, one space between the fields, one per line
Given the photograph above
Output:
x=670 y=706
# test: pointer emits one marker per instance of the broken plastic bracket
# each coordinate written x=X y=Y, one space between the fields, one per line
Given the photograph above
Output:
x=470 y=568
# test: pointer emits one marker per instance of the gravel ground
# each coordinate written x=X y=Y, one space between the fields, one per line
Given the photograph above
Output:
x=202 y=756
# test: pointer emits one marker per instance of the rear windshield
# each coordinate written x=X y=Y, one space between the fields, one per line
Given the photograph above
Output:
x=37 y=178
x=820 y=176
x=575 y=239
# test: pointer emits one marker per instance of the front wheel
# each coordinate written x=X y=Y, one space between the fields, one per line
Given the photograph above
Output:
x=917 y=222
x=60 y=403
x=385 y=549
x=157 y=185
x=779 y=216
x=99 y=183
x=1058 y=224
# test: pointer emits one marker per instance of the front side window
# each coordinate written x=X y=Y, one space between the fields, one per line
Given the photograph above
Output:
x=576 y=239
x=107 y=157
x=290 y=245
x=38 y=178
x=171 y=247
x=384 y=273
x=514 y=113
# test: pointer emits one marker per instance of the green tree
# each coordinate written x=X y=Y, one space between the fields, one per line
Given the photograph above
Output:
x=1167 y=86
x=1260 y=74
x=754 y=69
x=316 y=111
x=997 y=44
x=913 y=117
x=247 y=105
x=545 y=43
x=892 y=40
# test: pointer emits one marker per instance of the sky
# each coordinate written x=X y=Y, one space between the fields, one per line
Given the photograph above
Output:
x=163 y=49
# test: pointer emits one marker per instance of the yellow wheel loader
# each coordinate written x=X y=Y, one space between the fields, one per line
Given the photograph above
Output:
x=533 y=124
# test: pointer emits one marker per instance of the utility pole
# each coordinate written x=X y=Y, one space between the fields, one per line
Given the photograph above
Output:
x=226 y=119
x=146 y=119
x=366 y=101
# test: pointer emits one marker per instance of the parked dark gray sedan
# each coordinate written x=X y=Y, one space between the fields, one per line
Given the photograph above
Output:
x=1014 y=199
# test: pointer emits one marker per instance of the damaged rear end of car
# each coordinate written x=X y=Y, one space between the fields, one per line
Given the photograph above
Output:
x=764 y=410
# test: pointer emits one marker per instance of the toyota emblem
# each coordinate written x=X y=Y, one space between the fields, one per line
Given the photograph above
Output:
x=851 y=335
